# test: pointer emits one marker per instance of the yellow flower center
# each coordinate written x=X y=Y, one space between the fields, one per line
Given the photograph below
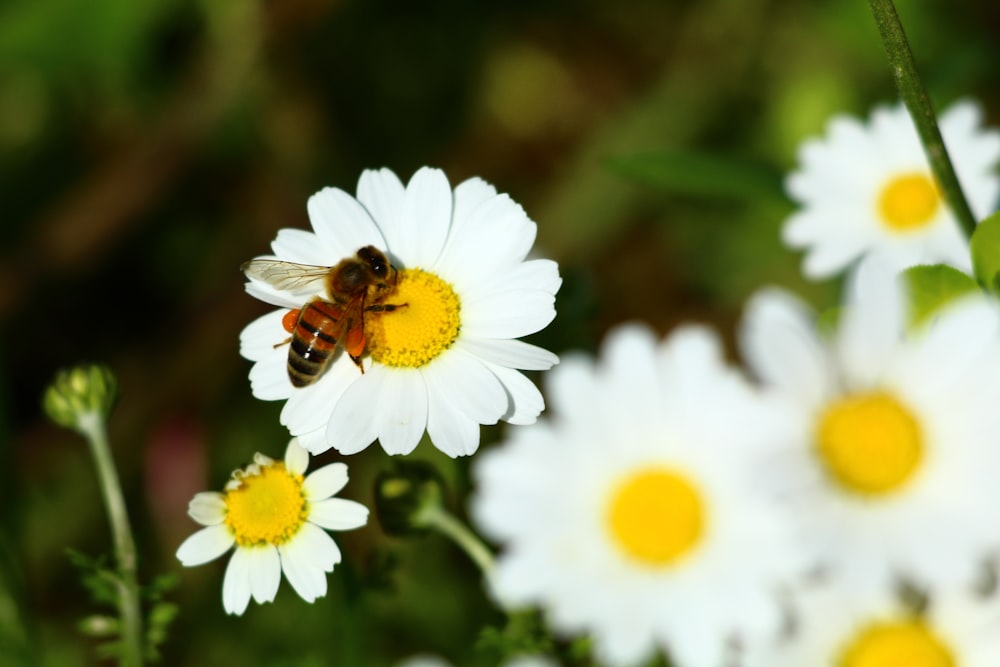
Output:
x=267 y=507
x=414 y=335
x=897 y=644
x=655 y=516
x=869 y=443
x=908 y=202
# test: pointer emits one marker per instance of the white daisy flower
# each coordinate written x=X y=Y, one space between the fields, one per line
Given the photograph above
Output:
x=632 y=515
x=893 y=462
x=448 y=360
x=836 y=629
x=274 y=518
x=868 y=189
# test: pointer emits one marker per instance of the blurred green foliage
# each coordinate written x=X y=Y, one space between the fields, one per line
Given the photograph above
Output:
x=148 y=148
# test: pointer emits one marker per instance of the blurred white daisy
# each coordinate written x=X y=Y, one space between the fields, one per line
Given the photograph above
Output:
x=868 y=189
x=836 y=629
x=274 y=517
x=449 y=360
x=632 y=515
x=894 y=461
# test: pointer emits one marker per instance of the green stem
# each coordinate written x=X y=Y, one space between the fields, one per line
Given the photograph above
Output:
x=437 y=517
x=911 y=89
x=92 y=427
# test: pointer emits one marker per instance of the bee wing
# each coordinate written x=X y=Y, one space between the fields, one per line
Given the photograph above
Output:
x=287 y=276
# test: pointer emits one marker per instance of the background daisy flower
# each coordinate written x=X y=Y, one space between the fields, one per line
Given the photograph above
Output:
x=449 y=360
x=867 y=189
x=274 y=517
x=893 y=461
x=835 y=629
x=632 y=514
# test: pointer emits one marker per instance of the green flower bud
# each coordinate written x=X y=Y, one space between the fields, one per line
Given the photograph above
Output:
x=407 y=496
x=82 y=391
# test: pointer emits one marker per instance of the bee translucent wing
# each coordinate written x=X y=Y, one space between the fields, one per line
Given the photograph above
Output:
x=287 y=276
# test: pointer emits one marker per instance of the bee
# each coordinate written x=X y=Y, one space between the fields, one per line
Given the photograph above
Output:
x=354 y=286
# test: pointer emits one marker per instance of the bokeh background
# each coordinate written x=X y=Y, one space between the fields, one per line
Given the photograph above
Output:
x=148 y=148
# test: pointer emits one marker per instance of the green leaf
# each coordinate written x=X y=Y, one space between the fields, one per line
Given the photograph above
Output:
x=931 y=287
x=701 y=174
x=986 y=252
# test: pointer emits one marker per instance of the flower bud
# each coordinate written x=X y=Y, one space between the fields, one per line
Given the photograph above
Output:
x=407 y=496
x=87 y=389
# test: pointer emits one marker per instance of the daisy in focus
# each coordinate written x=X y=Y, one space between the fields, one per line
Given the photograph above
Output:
x=894 y=461
x=274 y=517
x=833 y=629
x=868 y=189
x=435 y=347
x=632 y=515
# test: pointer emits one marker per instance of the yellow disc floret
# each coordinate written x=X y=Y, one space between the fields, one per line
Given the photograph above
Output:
x=869 y=443
x=265 y=507
x=414 y=334
x=655 y=516
x=908 y=202
x=910 y=643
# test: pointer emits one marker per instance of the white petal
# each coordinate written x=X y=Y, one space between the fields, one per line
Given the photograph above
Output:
x=302 y=247
x=425 y=219
x=314 y=441
x=402 y=411
x=342 y=223
x=352 y=424
x=269 y=377
x=325 y=482
x=205 y=545
x=780 y=344
x=470 y=385
x=508 y=314
x=509 y=353
x=496 y=235
x=257 y=340
x=381 y=192
x=267 y=294
x=207 y=508
x=450 y=429
x=236 y=583
x=308 y=408
x=524 y=401
x=306 y=558
x=469 y=194
x=296 y=458
x=532 y=275
x=264 y=568
x=338 y=514
x=871 y=324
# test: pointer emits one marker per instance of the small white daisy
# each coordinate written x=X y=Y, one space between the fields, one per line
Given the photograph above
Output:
x=836 y=629
x=632 y=514
x=274 y=517
x=449 y=360
x=893 y=460
x=868 y=189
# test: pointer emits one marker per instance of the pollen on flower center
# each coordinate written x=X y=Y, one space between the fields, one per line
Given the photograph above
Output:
x=909 y=643
x=414 y=335
x=908 y=202
x=655 y=516
x=266 y=508
x=869 y=443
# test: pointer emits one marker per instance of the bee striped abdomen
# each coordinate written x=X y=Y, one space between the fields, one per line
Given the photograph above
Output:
x=314 y=341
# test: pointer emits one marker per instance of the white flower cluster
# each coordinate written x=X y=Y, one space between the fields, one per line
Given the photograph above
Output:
x=835 y=507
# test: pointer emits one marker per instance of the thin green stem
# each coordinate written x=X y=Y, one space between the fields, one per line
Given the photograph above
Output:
x=911 y=90
x=437 y=517
x=92 y=427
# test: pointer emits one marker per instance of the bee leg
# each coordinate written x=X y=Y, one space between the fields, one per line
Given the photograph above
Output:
x=284 y=342
x=385 y=307
x=357 y=362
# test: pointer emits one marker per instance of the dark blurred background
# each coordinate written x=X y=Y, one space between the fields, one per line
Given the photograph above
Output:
x=148 y=148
